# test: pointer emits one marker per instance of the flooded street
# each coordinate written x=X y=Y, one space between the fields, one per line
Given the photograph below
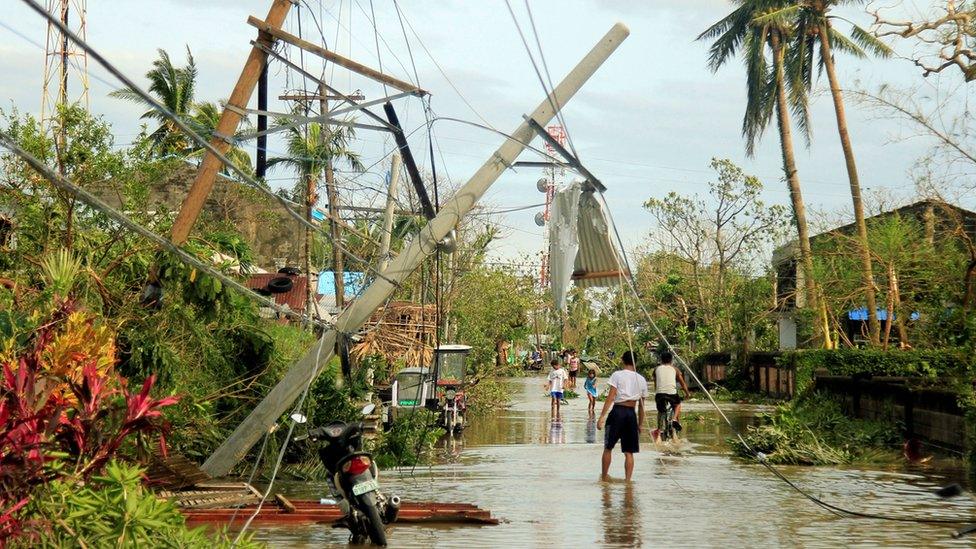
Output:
x=541 y=479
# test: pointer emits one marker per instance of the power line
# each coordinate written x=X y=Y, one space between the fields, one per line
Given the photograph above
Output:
x=114 y=71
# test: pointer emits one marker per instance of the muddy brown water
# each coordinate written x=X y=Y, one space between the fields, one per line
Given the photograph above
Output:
x=541 y=479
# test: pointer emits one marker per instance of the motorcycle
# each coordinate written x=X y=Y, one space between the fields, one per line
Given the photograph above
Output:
x=353 y=479
x=453 y=409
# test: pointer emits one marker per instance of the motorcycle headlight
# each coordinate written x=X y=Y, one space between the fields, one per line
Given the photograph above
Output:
x=450 y=394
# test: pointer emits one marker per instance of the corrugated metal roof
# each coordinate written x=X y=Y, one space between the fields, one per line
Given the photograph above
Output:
x=597 y=263
x=294 y=298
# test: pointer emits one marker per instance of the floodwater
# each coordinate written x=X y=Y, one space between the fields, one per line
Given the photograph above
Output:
x=541 y=479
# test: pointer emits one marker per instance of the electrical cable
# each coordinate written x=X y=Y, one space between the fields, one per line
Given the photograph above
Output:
x=760 y=458
x=545 y=67
x=98 y=204
x=247 y=178
x=284 y=446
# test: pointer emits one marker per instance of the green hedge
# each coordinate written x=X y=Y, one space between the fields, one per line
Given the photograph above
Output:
x=952 y=368
x=948 y=364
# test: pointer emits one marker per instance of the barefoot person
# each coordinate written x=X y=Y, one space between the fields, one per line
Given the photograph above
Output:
x=554 y=384
x=628 y=389
x=591 y=391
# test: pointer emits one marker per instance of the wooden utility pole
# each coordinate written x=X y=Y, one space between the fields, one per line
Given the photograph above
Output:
x=239 y=98
x=281 y=397
x=387 y=235
x=333 y=196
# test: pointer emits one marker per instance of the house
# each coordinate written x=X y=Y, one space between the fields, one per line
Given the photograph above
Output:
x=288 y=290
x=937 y=218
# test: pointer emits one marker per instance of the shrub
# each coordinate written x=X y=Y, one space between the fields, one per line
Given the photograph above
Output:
x=409 y=440
x=64 y=413
x=814 y=430
x=111 y=510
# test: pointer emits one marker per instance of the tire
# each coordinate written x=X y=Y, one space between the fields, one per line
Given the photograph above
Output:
x=373 y=522
x=291 y=271
x=280 y=285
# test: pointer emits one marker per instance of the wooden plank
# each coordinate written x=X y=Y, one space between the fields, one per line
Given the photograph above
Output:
x=583 y=275
x=287 y=505
x=310 y=511
x=359 y=68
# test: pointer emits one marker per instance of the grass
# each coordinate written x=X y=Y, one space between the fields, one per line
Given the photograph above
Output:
x=814 y=430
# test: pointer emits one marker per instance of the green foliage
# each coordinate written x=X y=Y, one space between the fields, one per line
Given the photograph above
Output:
x=701 y=277
x=944 y=365
x=915 y=273
x=491 y=305
x=113 y=510
x=488 y=395
x=815 y=430
x=331 y=397
x=410 y=440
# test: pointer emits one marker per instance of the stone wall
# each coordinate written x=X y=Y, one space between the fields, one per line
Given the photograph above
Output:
x=265 y=224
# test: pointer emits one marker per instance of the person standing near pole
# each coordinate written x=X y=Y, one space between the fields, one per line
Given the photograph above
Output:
x=623 y=415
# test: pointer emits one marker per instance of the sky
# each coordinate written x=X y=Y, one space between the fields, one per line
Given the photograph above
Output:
x=647 y=123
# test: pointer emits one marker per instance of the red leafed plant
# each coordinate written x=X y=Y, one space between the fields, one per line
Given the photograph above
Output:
x=55 y=424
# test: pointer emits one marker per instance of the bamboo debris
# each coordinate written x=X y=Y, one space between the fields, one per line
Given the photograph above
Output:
x=403 y=333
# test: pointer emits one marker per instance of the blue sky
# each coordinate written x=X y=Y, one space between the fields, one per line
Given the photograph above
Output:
x=647 y=123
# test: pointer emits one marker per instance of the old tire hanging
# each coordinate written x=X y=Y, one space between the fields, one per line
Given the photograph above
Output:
x=280 y=285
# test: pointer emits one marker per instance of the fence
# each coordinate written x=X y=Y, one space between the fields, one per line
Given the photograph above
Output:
x=766 y=376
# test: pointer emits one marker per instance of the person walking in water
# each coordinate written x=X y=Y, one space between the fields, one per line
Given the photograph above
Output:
x=628 y=389
x=554 y=384
x=590 y=386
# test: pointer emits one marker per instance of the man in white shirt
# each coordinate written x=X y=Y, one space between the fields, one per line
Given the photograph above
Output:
x=666 y=380
x=554 y=384
x=628 y=389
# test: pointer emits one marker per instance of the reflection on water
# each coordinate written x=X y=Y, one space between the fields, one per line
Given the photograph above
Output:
x=621 y=515
x=556 y=433
x=541 y=478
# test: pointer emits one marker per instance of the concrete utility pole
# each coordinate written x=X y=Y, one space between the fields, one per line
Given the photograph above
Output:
x=388 y=213
x=239 y=98
x=298 y=377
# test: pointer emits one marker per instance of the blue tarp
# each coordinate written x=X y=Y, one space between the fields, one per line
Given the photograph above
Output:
x=862 y=314
x=352 y=283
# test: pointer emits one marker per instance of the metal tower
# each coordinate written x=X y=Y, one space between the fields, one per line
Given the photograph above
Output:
x=63 y=60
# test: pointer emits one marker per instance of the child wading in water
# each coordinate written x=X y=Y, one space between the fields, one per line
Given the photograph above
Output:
x=590 y=386
x=554 y=384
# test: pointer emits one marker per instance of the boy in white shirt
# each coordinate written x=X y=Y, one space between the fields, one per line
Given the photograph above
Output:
x=554 y=385
x=628 y=389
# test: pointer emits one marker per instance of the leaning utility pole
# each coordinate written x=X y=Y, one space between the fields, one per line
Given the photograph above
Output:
x=387 y=235
x=302 y=373
x=239 y=98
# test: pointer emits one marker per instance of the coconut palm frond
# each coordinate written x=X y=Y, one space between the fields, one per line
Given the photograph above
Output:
x=870 y=42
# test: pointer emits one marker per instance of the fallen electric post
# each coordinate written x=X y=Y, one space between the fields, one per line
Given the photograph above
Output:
x=298 y=377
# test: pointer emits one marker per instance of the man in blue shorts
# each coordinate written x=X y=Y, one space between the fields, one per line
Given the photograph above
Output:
x=628 y=389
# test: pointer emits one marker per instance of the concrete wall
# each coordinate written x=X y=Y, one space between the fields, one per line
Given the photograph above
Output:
x=925 y=413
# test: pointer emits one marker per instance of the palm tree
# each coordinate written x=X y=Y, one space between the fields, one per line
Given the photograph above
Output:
x=815 y=34
x=767 y=89
x=174 y=88
x=204 y=120
x=312 y=151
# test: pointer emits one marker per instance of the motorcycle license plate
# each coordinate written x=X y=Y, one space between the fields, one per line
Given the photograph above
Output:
x=364 y=487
